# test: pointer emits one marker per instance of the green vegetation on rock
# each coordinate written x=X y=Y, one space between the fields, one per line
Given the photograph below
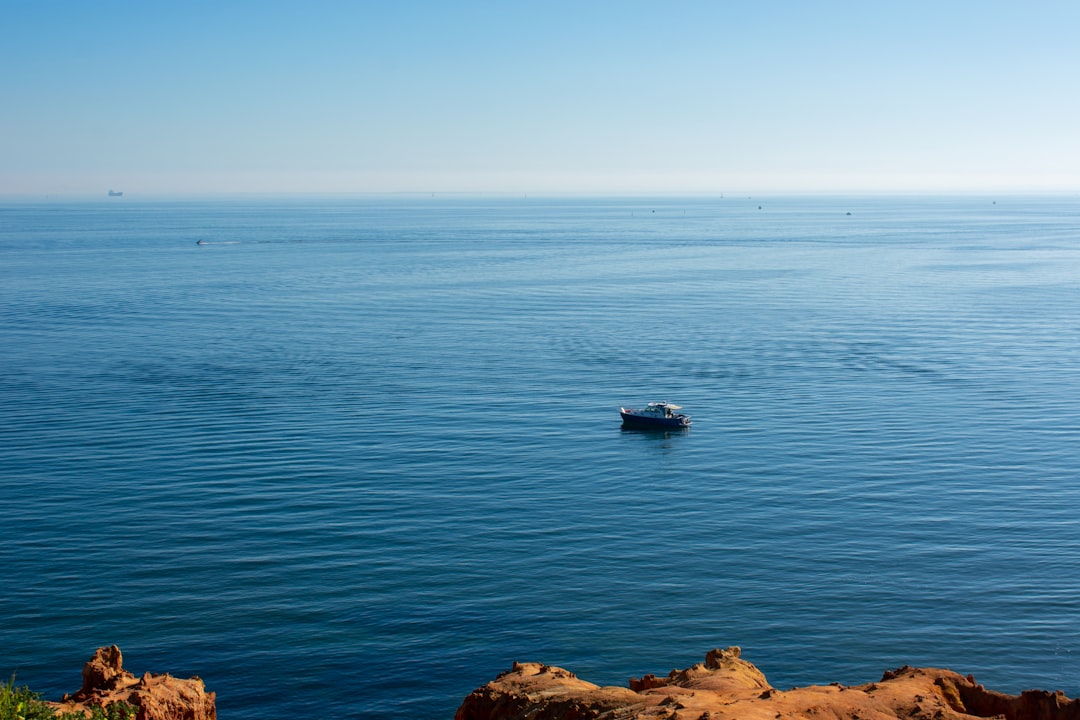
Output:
x=22 y=703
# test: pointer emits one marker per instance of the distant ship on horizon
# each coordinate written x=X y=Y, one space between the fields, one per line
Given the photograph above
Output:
x=114 y=193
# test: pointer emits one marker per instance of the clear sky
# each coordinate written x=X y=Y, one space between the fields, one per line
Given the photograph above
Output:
x=604 y=96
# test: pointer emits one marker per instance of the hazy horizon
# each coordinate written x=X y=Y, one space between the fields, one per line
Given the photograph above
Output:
x=608 y=98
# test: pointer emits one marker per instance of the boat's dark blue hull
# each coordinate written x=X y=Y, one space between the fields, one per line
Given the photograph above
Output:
x=655 y=422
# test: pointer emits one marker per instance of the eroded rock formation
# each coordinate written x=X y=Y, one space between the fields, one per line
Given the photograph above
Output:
x=726 y=687
x=154 y=697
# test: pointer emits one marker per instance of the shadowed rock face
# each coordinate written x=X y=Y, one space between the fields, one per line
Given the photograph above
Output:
x=154 y=697
x=726 y=687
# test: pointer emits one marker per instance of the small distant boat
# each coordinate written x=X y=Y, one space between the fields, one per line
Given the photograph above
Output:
x=115 y=193
x=656 y=414
x=200 y=242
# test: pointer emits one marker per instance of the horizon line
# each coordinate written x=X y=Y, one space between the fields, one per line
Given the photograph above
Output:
x=106 y=195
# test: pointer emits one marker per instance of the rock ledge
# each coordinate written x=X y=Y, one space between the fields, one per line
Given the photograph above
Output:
x=726 y=687
x=154 y=697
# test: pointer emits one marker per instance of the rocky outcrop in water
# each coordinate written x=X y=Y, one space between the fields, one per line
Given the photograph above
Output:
x=154 y=697
x=726 y=687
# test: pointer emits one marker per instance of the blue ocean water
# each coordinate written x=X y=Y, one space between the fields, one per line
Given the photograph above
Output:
x=359 y=454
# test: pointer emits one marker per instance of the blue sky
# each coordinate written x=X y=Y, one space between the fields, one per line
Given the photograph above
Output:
x=605 y=96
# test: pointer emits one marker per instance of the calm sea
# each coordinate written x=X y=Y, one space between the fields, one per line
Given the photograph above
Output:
x=355 y=456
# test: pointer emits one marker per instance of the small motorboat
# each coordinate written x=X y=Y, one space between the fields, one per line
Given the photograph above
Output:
x=656 y=414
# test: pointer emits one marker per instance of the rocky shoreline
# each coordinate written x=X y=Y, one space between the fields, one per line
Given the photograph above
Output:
x=152 y=696
x=726 y=687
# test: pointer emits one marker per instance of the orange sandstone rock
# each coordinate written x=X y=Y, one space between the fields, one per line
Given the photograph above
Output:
x=726 y=687
x=154 y=697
